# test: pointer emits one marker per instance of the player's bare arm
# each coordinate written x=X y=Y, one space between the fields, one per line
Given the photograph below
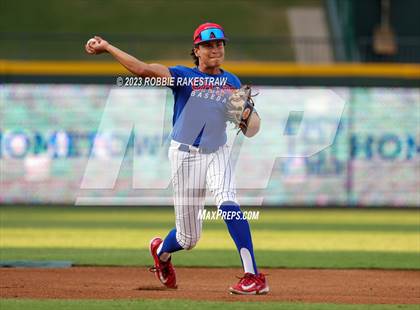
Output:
x=254 y=124
x=97 y=45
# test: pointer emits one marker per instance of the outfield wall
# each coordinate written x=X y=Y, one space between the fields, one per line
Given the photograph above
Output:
x=49 y=131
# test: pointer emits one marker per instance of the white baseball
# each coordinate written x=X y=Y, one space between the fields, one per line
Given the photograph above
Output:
x=91 y=41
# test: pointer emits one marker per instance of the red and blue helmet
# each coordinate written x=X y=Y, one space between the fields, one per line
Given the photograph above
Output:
x=208 y=32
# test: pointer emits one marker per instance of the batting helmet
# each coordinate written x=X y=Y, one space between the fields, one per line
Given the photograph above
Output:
x=208 y=32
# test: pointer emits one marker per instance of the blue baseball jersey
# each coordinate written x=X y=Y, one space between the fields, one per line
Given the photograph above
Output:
x=202 y=121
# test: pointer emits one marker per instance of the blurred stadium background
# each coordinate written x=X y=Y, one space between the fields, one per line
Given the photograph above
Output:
x=52 y=96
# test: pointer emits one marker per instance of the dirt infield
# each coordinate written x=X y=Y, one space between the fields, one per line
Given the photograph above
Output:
x=303 y=285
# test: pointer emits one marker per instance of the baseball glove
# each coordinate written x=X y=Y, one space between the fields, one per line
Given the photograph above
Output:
x=239 y=107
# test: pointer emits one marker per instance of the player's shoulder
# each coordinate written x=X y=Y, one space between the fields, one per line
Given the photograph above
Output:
x=176 y=70
x=233 y=79
x=181 y=67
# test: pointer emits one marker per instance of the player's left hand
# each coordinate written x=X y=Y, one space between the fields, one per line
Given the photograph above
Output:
x=239 y=110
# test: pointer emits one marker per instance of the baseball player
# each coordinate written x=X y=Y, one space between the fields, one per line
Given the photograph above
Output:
x=198 y=153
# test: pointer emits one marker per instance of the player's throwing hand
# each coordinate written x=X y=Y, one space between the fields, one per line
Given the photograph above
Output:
x=96 y=45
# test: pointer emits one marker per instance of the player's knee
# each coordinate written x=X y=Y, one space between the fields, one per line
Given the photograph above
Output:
x=188 y=241
x=191 y=242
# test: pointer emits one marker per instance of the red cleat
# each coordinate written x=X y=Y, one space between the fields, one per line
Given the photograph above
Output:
x=164 y=271
x=251 y=284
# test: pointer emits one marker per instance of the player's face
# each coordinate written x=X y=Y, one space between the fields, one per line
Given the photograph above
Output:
x=211 y=53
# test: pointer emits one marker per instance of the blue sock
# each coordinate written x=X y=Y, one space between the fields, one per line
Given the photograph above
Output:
x=241 y=234
x=170 y=244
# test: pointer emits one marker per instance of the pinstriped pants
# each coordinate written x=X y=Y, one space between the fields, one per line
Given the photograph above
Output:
x=190 y=173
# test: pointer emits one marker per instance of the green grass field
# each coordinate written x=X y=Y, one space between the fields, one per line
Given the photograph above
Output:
x=282 y=238
x=327 y=238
